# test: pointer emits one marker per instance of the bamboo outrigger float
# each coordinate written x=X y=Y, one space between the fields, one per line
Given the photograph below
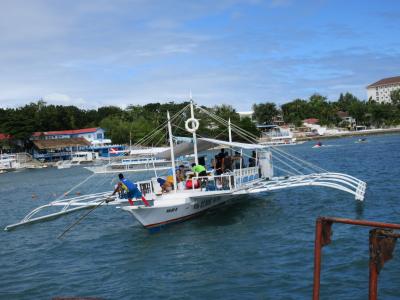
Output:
x=214 y=190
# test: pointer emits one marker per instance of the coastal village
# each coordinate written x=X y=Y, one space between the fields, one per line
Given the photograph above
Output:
x=60 y=148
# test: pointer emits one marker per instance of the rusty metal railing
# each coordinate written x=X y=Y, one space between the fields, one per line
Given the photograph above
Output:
x=382 y=241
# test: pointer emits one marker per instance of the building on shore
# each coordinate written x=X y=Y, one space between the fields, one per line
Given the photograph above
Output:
x=56 y=145
x=347 y=121
x=380 y=91
x=246 y=114
x=93 y=135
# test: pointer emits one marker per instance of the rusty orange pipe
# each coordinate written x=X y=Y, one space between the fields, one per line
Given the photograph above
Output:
x=317 y=258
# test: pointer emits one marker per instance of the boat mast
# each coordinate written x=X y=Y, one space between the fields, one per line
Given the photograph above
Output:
x=196 y=159
x=230 y=130
x=171 y=145
x=230 y=135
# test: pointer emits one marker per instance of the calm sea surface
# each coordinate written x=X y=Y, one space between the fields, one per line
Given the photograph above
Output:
x=260 y=248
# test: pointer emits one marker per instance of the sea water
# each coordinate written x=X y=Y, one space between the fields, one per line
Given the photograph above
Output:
x=259 y=248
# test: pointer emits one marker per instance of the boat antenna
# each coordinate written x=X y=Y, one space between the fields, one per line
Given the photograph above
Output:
x=171 y=145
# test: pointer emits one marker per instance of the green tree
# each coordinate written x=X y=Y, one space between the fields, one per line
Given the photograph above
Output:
x=395 y=96
x=296 y=111
x=247 y=124
x=116 y=129
x=264 y=113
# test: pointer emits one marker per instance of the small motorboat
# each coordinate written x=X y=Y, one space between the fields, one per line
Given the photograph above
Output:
x=317 y=145
x=362 y=140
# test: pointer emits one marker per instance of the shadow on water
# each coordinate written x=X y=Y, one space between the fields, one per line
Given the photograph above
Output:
x=234 y=212
x=226 y=215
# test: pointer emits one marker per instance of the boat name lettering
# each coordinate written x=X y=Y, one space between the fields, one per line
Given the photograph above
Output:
x=202 y=203
x=169 y=210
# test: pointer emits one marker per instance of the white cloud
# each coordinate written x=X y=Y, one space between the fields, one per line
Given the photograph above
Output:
x=91 y=53
x=63 y=99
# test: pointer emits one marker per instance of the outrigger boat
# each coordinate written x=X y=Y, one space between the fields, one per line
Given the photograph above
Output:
x=273 y=169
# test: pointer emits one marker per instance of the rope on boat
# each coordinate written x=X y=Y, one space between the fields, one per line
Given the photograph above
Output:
x=286 y=164
x=241 y=132
x=80 y=219
x=74 y=187
x=299 y=159
x=285 y=171
x=153 y=133
x=291 y=160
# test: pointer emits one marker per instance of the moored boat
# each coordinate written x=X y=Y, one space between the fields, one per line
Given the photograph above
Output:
x=268 y=169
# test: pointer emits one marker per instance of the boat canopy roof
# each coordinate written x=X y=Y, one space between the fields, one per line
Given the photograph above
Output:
x=148 y=151
x=233 y=144
x=205 y=144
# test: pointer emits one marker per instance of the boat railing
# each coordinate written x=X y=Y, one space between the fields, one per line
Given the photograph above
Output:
x=214 y=182
x=146 y=187
x=245 y=175
x=226 y=181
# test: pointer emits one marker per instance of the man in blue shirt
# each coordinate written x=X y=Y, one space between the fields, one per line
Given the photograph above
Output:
x=130 y=189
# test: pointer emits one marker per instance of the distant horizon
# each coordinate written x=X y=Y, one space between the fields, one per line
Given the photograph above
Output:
x=237 y=52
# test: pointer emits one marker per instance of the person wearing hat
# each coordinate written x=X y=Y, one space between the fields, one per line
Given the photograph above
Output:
x=130 y=189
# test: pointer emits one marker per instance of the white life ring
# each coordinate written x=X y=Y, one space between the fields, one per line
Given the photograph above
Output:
x=195 y=125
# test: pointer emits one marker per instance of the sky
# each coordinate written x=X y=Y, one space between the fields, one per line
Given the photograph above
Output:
x=96 y=53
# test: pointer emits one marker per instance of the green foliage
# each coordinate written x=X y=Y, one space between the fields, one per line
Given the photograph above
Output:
x=296 y=111
x=248 y=125
x=117 y=129
x=368 y=113
x=265 y=112
x=135 y=122
x=395 y=96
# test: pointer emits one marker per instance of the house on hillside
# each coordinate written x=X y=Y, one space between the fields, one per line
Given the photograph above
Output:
x=346 y=120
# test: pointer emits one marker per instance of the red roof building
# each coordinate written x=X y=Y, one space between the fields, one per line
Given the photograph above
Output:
x=94 y=134
x=386 y=81
x=67 y=132
x=311 y=121
x=4 y=136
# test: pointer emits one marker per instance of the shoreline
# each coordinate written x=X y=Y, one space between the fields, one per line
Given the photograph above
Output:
x=350 y=134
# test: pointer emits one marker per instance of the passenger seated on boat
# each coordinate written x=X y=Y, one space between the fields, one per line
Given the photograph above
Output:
x=170 y=176
x=252 y=159
x=219 y=158
x=227 y=164
x=237 y=159
x=191 y=182
x=180 y=174
x=200 y=171
x=165 y=185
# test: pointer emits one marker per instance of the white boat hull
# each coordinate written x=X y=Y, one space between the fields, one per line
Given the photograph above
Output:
x=188 y=207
